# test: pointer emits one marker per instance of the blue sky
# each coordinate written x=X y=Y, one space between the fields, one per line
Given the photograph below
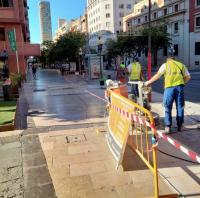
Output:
x=67 y=9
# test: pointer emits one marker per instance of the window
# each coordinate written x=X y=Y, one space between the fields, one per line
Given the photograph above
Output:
x=138 y=20
x=165 y=51
x=176 y=50
x=121 y=6
x=120 y=23
x=165 y=11
x=6 y=3
x=176 y=8
x=197 y=22
x=145 y=18
x=176 y=27
x=197 y=48
x=121 y=14
x=197 y=3
x=107 y=24
x=155 y=15
x=129 y=6
x=2 y=34
x=107 y=6
x=107 y=15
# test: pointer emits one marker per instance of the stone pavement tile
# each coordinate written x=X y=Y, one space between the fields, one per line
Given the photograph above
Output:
x=35 y=159
x=110 y=164
x=194 y=169
x=40 y=191
x=99 y=155
x=11 y=145
x=130 y=191
x=82 y=148
x=77 y=158
x=108 y=192
x=36 y=176
x=11 y=157
x=47 y=146
x=11 y=188
x=11 y=133
x=136 y=176
x=106 y=179
x=186 y=185
x=87 y=168
x=11 y=173
x=173 y=172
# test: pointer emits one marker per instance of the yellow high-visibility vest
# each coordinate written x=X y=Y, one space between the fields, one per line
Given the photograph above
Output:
x=174 y=74
x=136 y=71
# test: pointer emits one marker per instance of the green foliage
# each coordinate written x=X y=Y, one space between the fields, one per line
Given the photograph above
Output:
x=131 y=45
x=16 y=79
x=66 y=47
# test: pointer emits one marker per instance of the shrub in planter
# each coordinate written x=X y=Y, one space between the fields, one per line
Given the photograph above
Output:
x=16 y=81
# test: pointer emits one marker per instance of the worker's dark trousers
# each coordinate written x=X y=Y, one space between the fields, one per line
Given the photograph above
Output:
x=172 y=94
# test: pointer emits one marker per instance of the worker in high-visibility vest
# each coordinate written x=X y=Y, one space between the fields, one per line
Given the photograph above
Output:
x=121 y=73
x=176 y=75
x=135 y=74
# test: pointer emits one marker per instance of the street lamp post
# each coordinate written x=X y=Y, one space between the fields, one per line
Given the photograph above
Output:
x=100 y=47
x=149 y=45
x=80 y=59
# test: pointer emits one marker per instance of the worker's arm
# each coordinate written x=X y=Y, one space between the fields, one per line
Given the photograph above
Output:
x=153 y=79
x=187 y=78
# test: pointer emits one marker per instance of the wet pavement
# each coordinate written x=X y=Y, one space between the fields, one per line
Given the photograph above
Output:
x=57 y=100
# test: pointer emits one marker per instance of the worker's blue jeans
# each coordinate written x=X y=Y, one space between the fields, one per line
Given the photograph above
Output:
x=172 y=94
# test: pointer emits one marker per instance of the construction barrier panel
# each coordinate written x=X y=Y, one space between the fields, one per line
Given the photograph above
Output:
x=130 y=123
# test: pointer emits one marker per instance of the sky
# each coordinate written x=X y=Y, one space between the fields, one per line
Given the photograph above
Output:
x=67 y=9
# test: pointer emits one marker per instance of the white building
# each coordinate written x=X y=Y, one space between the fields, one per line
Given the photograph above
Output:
x=175 y=14
x=105 y=18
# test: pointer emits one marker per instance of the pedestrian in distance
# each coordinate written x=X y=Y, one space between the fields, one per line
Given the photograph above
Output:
x=135 y=75
x=176 y=75
x=121 y=73
x=34 y=71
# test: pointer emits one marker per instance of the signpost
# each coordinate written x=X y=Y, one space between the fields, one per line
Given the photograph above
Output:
x=13 y=45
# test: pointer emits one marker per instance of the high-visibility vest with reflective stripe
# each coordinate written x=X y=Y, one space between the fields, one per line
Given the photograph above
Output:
x=136 y=71
x=174 y=73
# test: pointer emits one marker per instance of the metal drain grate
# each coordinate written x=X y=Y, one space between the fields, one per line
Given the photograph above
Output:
x=75 y=138
x=39 y=90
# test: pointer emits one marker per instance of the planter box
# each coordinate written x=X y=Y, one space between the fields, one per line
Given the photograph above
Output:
x=11 y=126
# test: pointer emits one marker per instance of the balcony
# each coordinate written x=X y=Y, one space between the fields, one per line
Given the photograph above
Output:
x=26 y=49
x=8 y=14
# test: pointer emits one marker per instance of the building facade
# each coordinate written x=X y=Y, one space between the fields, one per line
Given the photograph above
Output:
x=176 y=16
x=45 y=20
x=14 y=17
x=105 y=18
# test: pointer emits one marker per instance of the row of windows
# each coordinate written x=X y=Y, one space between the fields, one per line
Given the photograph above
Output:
x=6 y=3
x=165 y=12
x=98 y=27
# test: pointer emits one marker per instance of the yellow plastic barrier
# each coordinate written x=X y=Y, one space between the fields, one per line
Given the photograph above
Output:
x=123 y=116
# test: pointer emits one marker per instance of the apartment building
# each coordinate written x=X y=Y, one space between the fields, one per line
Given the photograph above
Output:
x=45 y=20
x=181 y=19
x=105 y=18
x=14 y=16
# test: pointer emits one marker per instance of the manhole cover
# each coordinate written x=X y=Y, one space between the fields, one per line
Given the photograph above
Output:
x=75 y=138
x=39 y=90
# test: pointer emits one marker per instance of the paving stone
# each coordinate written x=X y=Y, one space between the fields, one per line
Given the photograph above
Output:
x=103 y=180
x=36 y=176
x=87 y=168
x=11 y=188
x=11 y=173
x=41 y=191
x=83 y=148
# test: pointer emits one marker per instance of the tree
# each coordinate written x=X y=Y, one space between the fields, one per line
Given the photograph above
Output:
x=66 y=48
x=131 y=45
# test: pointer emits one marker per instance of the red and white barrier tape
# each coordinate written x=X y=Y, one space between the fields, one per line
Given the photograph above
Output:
x=132 y=117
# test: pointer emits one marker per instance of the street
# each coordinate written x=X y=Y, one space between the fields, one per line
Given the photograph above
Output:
x=63 y=152
x=191 y=89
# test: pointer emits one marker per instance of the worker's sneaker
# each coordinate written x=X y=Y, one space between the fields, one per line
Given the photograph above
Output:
x=179 y=128
x=167 y=130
